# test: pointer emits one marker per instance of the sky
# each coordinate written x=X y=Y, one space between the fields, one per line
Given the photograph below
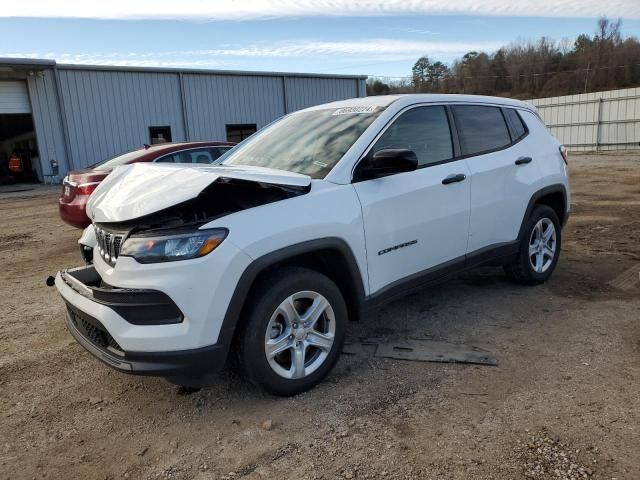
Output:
x=367 y=37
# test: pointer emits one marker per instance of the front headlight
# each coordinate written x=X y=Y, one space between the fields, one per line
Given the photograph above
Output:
x=173 y=246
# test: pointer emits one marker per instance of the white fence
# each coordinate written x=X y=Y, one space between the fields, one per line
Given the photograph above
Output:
x=594 y=121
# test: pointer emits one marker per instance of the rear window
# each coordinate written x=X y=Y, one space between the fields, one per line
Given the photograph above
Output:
x=481 y=129
x=111 y=163
x=200 y=155
x=517 y=126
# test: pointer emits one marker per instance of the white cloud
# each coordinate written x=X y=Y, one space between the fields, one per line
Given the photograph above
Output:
x=252 y=9
x=370 y=50
x=377 y=47
x=421 y=31
x=121 y=59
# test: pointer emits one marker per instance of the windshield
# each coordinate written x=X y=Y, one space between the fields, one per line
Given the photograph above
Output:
x=111 y=163
x=307 y=142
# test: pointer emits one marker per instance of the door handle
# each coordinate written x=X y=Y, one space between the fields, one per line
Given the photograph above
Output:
x=524 y=160
x=453 y=178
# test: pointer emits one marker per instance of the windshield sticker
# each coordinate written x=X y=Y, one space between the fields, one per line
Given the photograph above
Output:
x=320 y=164
x=358 y=109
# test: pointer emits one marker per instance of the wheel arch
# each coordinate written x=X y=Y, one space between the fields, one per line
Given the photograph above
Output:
x=554 y=196
x=331 y=256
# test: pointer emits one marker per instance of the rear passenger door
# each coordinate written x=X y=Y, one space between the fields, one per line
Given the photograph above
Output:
x=413 y=221
x=491 y=140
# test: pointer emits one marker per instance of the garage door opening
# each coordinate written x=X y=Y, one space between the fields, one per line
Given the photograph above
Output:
x=18 y=149
x=19 y=160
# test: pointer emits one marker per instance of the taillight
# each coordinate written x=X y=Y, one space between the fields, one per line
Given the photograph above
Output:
x=86 y=188
x=563 y=152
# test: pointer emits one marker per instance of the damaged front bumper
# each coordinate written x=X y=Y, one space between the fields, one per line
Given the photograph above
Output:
x=92 y=306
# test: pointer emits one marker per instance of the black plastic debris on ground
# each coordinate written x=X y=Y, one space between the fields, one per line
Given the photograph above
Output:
x=422 y=351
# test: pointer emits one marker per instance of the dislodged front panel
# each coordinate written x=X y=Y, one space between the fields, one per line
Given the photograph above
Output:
x=110 y=112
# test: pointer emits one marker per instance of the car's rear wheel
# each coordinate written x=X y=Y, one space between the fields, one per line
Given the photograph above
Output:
x=539 y=248
x=293 y=332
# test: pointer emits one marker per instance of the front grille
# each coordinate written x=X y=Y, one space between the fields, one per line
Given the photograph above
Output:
x=92 y=330
x=108 y=244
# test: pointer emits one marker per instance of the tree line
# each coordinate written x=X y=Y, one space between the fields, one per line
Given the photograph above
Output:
x=545 y=68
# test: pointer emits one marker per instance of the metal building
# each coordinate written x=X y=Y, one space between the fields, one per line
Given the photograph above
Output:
x=73 y=116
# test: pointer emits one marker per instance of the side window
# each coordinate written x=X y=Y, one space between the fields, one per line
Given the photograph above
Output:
x=165 y=159
x=189 y=156
x=480 y=129
x=424 y=130
x=517 y=125
x=201 y=156
x=217 y=152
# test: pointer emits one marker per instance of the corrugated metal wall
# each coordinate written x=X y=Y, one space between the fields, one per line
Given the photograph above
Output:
x=109 y=111
x=213 y=101
x=594 y=121
x=305 y=92
x=47 y=120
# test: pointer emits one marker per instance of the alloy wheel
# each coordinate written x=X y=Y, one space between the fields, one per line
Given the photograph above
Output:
x=300 y=335
x=542 y=245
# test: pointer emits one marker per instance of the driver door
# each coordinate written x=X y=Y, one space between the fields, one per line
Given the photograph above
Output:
x=415 y=221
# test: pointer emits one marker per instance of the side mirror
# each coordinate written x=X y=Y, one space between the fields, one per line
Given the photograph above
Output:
x=388 y=162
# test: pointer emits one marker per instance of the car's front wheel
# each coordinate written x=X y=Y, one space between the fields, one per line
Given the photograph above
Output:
x=293 y=333
x=539 y=248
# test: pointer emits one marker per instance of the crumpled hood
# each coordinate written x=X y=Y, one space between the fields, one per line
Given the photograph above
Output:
x=139 y=189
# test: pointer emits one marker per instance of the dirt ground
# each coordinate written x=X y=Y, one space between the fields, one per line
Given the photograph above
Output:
x=563 y=402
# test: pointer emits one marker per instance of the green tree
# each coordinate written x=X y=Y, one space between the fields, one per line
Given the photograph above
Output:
x=436 y=72
x=583 y=43
x=377 y=87
x=420 y=72
x=498 y=71
x=603 y=60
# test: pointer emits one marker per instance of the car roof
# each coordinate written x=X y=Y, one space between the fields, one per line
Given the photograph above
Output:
x=180 y=145
x=414 y=98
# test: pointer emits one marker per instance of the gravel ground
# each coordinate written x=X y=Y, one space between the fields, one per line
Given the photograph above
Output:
x=563 y=402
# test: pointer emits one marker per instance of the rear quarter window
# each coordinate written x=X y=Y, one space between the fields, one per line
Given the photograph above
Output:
x=481 y=129
x=517 y=125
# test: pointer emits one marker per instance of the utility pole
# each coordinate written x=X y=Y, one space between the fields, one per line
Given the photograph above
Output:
x=586 y=77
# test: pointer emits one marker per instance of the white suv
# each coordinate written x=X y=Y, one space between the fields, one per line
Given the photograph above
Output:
x=310 y=223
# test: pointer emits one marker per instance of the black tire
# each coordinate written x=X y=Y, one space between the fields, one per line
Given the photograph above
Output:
x=521 y=270
x=265 y=298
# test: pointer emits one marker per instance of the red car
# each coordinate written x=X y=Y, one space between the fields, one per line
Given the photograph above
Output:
x=79 y=184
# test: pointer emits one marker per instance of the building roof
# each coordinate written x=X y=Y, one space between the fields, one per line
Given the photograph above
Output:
x=27 y=63
x=39 y=64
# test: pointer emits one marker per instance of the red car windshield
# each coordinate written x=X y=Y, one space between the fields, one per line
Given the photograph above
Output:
x=111 y=163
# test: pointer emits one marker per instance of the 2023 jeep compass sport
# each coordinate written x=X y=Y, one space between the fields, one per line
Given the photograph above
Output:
x=309 y=224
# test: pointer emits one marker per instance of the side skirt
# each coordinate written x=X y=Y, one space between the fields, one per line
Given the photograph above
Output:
x=498 y=254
